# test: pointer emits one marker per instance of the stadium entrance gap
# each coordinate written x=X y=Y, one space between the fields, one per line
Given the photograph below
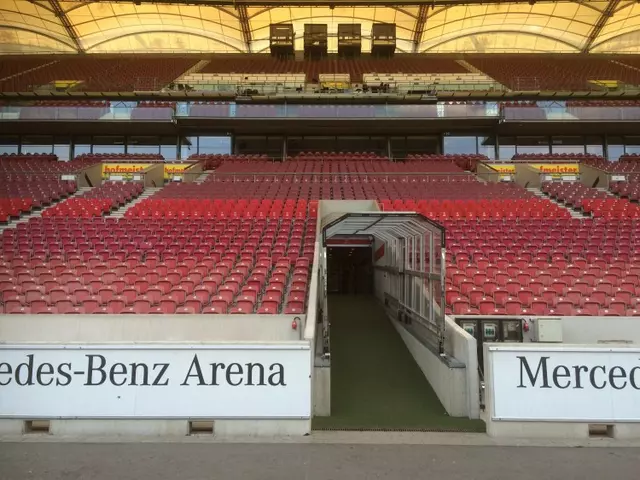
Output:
x=373 y=259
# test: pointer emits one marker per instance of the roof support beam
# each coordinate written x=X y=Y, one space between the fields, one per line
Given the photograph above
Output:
x=71 y=31
x=244 y=24
x=607 y=13
x=318 y=3
x=420 y=23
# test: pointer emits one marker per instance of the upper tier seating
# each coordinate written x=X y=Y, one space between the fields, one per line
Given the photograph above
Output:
x=125 y=73
x=97 y=201
x=13 y=65
x=262 y=63
x=563 y=72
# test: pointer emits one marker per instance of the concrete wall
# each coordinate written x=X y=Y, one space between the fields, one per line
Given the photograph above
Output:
x=446 y=376
x=163 y=428
x=147 y=328
x=527 y=176
x=593 y=177
x=589 y=330
x=90 y=176
x=542 y=429
x=464 y=348
x=154 y=175
x=333 y=209
x=487 y=173
x=193 y=172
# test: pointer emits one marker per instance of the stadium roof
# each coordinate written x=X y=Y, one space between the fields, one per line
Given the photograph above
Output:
x=237 y=26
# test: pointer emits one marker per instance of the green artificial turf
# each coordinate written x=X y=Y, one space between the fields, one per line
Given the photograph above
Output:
x=375 y=383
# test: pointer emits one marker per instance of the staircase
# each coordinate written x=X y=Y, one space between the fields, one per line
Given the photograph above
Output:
x=15 y=75
x=574 y=213
x=605 y=190
x=202 y=177
x=119 y=213
x=470 y=67
x=38 y=213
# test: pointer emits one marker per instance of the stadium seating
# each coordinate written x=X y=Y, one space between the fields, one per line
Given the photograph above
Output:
x=355 y=68
x=163 y=264
x=43 y=165
x=95 y=73
x=549 y=267
x=97 y=201
x=542 y=72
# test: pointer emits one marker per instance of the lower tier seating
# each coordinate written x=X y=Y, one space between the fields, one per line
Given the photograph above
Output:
x=142 y=265
x=543 y=267
x=97 y=201
x=21 y=194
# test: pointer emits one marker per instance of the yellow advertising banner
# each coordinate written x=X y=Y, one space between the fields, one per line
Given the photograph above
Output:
x=172 y=170
x=504 y=168
x=557 y=168
x=125 y=170
x=554 y=169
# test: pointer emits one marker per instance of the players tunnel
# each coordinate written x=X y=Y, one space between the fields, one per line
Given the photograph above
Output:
x=384 y=278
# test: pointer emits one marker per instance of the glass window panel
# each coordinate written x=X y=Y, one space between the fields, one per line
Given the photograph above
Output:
x=506 y=148
x=461 y=145
x=143 y=145
x=169 y=148
x=188 y=147
x=487 y=147
x=108 y=144
x=37 y=144
x=567 y=145
x=9 y=144
x=81 y=145
x=214 y=145
x=615 y=148
x=62 y=147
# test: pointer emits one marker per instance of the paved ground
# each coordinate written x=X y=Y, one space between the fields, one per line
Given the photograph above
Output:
x=310 y=461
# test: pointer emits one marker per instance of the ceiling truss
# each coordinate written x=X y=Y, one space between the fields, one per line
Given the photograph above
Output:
x=71 y=31
x=420 y=24
x=246 y=27
x=607 y=13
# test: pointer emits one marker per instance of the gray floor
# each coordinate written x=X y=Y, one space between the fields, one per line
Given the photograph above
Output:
x=207 y=461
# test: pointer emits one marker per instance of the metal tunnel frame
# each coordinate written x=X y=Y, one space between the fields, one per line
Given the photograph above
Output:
x=414 y=261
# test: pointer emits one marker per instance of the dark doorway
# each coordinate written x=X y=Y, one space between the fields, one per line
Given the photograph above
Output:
x=350 y=270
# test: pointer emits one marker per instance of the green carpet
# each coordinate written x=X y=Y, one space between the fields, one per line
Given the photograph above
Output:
x=375 y=383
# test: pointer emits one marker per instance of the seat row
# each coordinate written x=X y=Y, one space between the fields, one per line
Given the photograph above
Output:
x=97 y=201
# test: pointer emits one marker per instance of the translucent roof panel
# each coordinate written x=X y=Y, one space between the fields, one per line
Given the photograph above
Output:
x=32 y=26
x=155 y=28
x=261 y=18
x=558 y=27
x=621 y=32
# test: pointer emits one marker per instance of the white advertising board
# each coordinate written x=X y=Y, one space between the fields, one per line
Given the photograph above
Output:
x=568 y=384
x=135 y=381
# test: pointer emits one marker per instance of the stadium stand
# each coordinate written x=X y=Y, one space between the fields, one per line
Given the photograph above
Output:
x=566 y=72
x=94 y=73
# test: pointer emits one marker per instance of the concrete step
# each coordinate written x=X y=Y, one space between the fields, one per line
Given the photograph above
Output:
x=606 y=190
x=148 y=192
x=38 y=213
x=202 y=177
x=539 y=193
